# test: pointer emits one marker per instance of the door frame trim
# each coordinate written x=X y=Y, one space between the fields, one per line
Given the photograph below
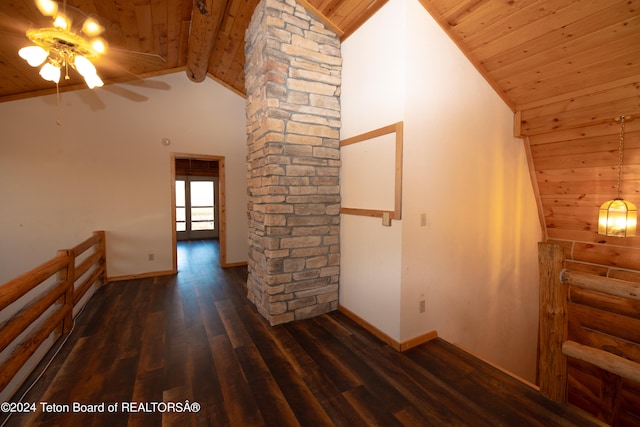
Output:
x=222 y=211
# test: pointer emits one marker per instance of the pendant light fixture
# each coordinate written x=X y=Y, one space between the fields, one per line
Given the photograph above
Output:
x=618 y=217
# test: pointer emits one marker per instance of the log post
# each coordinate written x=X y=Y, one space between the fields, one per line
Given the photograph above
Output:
x=552 y=363
x=205 y=21
x=68 y=276
x=102 y=247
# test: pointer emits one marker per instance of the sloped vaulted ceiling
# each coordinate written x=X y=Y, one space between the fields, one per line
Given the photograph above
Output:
x=566 y=68
x=544 y=56
x=533 y=52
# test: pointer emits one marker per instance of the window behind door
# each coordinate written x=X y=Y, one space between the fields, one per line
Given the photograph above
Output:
x=196 y=199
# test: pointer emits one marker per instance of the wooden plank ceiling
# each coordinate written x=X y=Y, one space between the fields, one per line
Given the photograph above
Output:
x=531 y=51
x=152 y=37
x=567 y=68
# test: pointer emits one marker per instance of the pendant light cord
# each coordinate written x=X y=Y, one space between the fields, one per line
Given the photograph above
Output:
x=620 y=151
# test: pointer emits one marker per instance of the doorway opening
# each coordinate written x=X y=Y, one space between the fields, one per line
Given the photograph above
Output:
x=198 y=201
x=196 y=207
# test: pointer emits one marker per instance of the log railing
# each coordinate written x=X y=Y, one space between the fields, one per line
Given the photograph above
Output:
x=558 y=287
x=59 y=284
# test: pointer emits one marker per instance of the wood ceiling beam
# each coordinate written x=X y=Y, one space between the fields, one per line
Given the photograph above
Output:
x=205 y=22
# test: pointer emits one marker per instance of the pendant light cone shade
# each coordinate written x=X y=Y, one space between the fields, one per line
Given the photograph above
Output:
x=34 y=55
x=618 y=218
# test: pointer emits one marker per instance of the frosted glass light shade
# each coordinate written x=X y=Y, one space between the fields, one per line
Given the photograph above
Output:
x=84 y=66
x=47 y=7
x=50 y=72
x=62 y=22
x=34 y=55
x=99 y=45
x=93 y=81
x=91 y=27
x=88 y=71
x=618 y=218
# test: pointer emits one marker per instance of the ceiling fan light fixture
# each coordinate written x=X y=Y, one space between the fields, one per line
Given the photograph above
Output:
x=61 y=47
x=34 y=55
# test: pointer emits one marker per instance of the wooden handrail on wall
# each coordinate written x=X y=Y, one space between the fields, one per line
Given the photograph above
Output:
x=58 y=300
x=554 y=347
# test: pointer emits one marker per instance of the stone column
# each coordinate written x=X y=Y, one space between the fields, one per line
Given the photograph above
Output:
x=292 y=70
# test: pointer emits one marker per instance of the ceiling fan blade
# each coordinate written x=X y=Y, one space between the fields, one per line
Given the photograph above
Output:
x=125 y=93
x=136 y=56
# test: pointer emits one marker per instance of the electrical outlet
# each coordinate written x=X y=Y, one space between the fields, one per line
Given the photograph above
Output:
x=151 y=256
x=422 y=307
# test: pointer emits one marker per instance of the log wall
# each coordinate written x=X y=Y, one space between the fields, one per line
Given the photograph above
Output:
x=590 y=336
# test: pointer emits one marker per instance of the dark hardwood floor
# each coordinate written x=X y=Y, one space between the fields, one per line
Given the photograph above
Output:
x=194 y=337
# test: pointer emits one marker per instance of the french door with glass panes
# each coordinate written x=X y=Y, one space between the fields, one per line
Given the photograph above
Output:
x=196 y=210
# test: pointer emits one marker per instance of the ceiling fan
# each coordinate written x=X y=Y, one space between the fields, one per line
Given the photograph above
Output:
x=60 y=47
x=75 y=41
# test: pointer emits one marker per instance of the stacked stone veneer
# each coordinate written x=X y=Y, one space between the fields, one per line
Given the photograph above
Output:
x=292 y=73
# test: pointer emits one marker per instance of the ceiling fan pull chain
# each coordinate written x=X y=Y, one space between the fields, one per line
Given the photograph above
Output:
x=58 y=107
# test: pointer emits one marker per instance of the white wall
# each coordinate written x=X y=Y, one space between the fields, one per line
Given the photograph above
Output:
x=475 y=262
x=372 y=97
x=105 y=168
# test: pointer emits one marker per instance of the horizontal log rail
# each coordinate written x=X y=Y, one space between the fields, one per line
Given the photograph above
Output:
x=606 y=285
x=16 y=288
x=603 y=359
x=554 y=345
x=52 y=308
